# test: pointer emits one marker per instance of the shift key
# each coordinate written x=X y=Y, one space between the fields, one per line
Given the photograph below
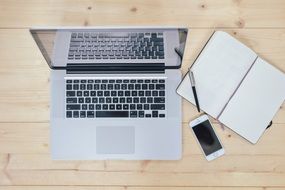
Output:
x=73 y=107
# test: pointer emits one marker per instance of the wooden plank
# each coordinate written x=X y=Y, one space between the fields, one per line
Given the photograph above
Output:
x=207 y=13
x=193 y=163
x=128 y=188
x=23 y=66
x=28 y=138
x=62 y=177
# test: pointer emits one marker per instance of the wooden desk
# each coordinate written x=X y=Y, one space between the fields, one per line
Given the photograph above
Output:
x=24 y=98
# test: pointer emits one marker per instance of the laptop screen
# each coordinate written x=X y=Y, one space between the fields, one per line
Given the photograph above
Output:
x=65 y=46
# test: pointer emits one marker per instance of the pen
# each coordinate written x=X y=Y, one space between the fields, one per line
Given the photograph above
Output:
x=192 y=80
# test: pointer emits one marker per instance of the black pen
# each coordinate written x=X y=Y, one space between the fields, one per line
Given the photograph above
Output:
x=192 y=80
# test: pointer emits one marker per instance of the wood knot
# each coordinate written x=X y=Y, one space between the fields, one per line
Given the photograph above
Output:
x=240 y=23
x=134 y=9
x=229 y=135
x=203 y=6
x=89 y=8
x=85 y=23
x=235 y=33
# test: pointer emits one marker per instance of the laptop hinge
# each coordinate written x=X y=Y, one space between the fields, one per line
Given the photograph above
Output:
x=112 y=68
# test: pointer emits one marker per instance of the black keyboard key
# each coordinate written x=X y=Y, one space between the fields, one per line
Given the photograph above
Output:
x=73 y=107
x=88 y=100
x=159 y=100
x=147 y=115
x=99 y=93
x=149 y=100
x=161 y=93
x=161 y=115
x=112 y=106
x=86 y=93
x=122 y=100
x=113 y=93
x=83 y=81
x=115 y=100
x=133 y=114
x=82 y=114
x=82 y=86
x=69 y=114
x=139 y=106
x=134 y=93
x=154 y=113
x=89 y=86
x=120 y=93
x=84 y=107
x=108 y=100
x=68 y=87
x=142 y=100
x=132 y=106
x=151 y=86
x=104 y=81
x=118 y=106
x=98 y=106
x=157 y=106
x=91 y=106
x=90 y=114
x=90 y=81
x=81 y=100
x=127 y=93
x=141 y=93
x=146 y=106
x=105 y=106
x=141 y=114
x=144 y=86
x=148 y=93
x=95 y=100
x=71 y=100
x=160 y=86
x=126 y=81
x=76 y=81
x=154 y=81
x=75 y=86
x=75 y=114
x=106 y=93
x=102 y=100
x=130 y=86
x=161 y=81
x=70 y=93
x=112 y=114
x=79 y=93
x=93 y=93
x=137 y=86
x=126 y=106
x=68 y=81
x=136 y=100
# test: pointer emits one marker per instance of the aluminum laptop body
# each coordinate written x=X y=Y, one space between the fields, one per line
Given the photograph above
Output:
x=115 y=100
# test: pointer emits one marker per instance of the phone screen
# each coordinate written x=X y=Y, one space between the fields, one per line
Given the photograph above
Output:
x=207 y=137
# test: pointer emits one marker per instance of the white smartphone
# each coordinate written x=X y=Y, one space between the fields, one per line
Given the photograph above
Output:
x=207 y=138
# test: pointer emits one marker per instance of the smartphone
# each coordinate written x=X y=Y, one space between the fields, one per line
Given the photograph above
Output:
x=207 y=138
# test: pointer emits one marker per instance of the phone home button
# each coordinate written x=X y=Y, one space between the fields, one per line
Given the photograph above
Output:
x=215 y=154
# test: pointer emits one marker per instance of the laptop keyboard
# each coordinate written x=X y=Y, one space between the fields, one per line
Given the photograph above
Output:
x=88 y=45
x=119 y=98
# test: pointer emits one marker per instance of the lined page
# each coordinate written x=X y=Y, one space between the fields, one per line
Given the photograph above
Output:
x=218 y=71
x=256 y=101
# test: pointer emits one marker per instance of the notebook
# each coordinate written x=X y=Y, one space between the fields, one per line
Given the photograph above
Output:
x=235 y=86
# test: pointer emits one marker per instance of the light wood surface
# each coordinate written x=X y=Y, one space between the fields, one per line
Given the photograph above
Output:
x=24 y=99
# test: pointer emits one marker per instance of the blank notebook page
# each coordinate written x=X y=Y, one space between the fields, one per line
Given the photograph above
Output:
x=256 y=101
x=218 y=71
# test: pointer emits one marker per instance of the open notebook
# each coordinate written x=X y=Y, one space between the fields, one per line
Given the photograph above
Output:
x=235 y=86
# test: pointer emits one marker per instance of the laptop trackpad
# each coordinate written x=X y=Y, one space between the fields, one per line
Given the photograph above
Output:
x=115 y=140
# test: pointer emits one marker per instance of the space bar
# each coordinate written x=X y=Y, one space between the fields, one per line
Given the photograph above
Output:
x=112 y=114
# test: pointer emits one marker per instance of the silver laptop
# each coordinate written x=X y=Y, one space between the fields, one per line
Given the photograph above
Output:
x=113 y=92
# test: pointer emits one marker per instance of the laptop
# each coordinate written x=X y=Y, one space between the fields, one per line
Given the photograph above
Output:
x=113 y=92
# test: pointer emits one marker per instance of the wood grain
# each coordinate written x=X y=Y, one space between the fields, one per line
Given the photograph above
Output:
x=24 y=98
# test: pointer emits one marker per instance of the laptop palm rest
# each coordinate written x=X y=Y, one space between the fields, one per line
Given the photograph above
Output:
x=115 y=140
